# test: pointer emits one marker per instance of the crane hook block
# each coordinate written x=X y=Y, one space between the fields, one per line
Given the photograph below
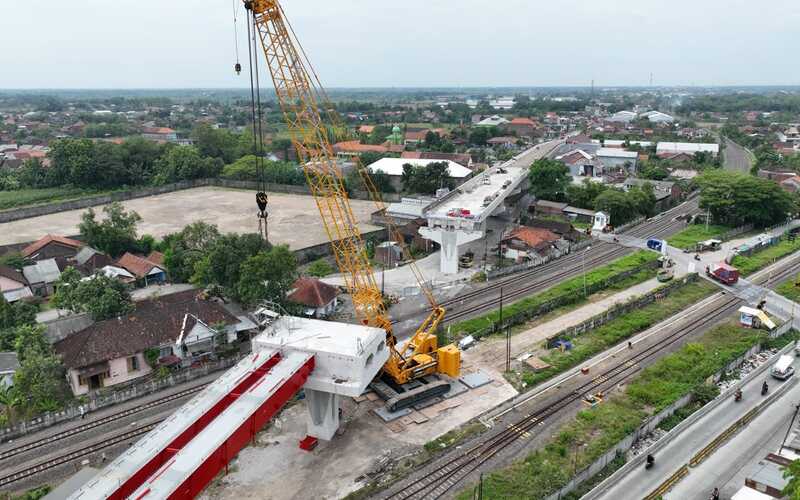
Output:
x=238 y=68
x=261 y=200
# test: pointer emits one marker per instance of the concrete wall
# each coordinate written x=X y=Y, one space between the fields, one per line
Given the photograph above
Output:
x=93 y=201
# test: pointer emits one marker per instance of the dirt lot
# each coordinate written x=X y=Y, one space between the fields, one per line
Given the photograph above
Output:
x=293 y=220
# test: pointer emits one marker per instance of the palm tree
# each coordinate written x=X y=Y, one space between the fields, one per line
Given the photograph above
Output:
x=9 y=399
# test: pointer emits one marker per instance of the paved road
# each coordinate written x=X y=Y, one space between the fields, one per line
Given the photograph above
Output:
x=728 y=467
x=640 y=482
x=737 y=158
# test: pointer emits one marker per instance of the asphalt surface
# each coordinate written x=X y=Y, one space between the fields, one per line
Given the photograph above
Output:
x=737 y=158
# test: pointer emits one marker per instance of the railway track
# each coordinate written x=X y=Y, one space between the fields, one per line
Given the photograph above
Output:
x=448 y=474
x=60 y=436
x=60 y=460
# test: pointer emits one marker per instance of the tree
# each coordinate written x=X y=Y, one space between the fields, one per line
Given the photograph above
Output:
x=274 y=172
x=184 y=163
x=221 y=265
x=267 y=276
x=9 y=400
x=102 y=297
x=40 y=375
x=792 y=473
x=183 y=250
x=32 y=174
x=13 y=316
x=643 y=200
x=426 y=179
x=617 y=205
x=319 y=268
x=216 y=143
x=549 y=179
x=140 y=156
x=115 y=235
x=585 y=194
x=738 y=199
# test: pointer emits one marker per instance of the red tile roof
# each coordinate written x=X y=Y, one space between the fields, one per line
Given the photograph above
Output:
x=46 y=240
x=156 y=258
x=534 y=237
x=159 y=130
x=311 y=292
x=523 y=121
x=154 y=322
x=357 y=147
x=138 y=266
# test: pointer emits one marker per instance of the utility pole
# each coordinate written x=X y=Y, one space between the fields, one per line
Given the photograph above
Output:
x=501 y=307
x=796 y=409
x=583 y=268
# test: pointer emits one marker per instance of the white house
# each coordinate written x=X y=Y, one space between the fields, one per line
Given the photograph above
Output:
x=686 y=147
x=617 y=158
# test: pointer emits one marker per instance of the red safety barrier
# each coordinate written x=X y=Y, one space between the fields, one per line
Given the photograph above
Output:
x=173 y=447
x=239 y=438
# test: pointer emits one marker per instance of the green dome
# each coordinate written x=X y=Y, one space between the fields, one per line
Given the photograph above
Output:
x=396 y=129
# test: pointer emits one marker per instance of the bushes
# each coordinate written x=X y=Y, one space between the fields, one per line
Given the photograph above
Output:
x=696 y=233
x=319 y=268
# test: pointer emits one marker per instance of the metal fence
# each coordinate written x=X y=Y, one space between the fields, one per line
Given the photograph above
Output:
x=112 y=397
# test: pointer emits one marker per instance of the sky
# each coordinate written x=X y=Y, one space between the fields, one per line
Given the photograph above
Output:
x=410 y=43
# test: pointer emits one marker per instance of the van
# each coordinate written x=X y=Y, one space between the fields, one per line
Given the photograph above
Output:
x=783 y=369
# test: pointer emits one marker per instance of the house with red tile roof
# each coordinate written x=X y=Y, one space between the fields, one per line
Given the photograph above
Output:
x=526 y=243
x=145 y=271
x=160 y=134
x=51 y=246
x=318 y=299
x=179 y=327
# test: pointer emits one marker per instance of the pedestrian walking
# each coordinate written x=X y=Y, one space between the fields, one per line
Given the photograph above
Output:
x=630 y=345
x=82 y=412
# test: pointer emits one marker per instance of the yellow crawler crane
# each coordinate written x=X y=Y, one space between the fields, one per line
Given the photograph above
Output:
x=299 y=96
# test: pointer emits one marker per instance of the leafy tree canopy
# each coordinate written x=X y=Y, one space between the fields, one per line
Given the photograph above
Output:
x=549 y=179
x=115 y=234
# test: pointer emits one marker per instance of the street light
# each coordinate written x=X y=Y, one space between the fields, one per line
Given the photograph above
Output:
x=583 y=268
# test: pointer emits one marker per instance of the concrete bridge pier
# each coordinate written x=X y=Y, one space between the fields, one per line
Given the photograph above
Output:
x=450 y=238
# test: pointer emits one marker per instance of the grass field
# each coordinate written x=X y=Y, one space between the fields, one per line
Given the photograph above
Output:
x=696 y=233
x=753 y=263
x=568 y=292
x=789 y=290
x=25 y=197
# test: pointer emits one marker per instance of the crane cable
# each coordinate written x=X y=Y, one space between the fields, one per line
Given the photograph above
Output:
x=237 y=67
x=258 y=142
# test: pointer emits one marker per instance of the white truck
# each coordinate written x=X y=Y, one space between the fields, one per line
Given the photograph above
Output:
x=783 y=368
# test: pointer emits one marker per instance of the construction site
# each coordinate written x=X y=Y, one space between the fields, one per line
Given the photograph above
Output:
x=433 y=366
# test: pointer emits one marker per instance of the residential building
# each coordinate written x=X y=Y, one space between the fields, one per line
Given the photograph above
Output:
x=178 y=328
x=667 y=193
x=561 y=228
x=393 y=167
x=579 y=214
x=617 y=158
x=526 y=243
x=507 y=142
x=791 y=134
x=414 y=137
x=13 y=284
x=145 y=271
x=51 y=246
x=389 y=254
x=523 y=127
x=160 y=134
x=9 y=364
x=504 y=103
x=546 y=207
x=42 y=276
x=89 y=260
x=792 y=184
x=318 y=299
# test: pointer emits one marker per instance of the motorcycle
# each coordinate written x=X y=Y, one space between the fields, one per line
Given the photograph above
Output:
x=696 y=257
x=764 y=389
x=738 y=396
x=650 y=462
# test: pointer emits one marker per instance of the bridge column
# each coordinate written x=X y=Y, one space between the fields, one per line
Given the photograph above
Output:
x=449 y=238
x=323 y=414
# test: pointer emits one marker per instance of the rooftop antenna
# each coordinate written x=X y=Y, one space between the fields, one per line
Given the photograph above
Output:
x=651 y=80
x=592 y=94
